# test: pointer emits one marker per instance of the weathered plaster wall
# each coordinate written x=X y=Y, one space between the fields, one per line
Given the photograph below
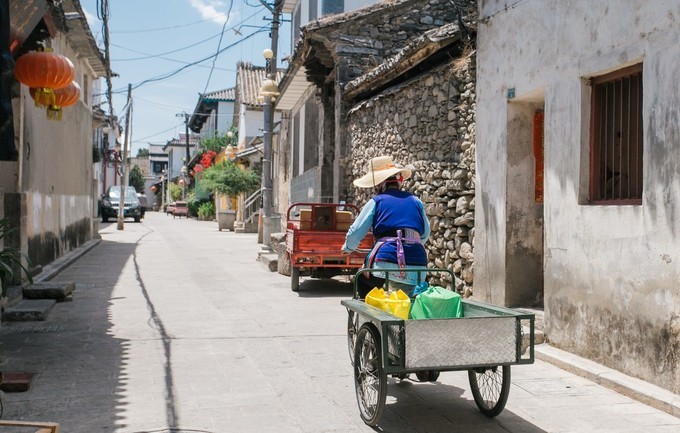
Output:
x=612 y=281
x=427 y=123
x=56 y=172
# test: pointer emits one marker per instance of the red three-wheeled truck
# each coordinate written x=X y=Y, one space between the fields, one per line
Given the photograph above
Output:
x=315 y=234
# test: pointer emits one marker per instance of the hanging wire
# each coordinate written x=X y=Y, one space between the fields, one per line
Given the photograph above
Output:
x=219 y=44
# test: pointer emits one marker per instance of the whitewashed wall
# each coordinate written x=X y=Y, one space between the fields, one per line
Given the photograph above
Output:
x=55 y=170
x=611 y=274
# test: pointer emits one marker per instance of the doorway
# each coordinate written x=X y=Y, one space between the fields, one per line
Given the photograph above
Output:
x=524 y=252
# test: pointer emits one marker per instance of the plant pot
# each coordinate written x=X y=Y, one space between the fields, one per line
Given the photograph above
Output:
x=226 y=219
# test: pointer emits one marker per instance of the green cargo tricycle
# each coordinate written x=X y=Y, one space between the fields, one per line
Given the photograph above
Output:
x=486 y=341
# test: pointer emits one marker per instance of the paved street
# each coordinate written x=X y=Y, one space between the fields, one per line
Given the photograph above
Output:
x=175 y=326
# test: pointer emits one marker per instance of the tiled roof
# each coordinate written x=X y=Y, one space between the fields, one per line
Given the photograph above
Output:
x=181 y=141
x=79 y=35
x=248 y=82
x=415 y=52
x=220 y=95
x=208 y=102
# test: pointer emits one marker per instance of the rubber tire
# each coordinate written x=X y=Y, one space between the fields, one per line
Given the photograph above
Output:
x=295 y=279
x=496 y=404
x=368 y=365
x=427 y=375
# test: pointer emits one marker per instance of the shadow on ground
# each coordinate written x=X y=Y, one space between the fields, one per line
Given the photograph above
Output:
x=79 y=365
x=339 y=287
x=433 y=407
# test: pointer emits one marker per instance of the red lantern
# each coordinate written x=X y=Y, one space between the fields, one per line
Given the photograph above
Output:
x=45 y=71
x=154 y=189
x=64 y=97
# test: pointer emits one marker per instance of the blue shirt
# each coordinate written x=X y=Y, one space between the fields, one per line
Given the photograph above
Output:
x=385 y=213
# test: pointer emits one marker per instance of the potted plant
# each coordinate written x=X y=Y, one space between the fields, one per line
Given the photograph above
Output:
x=227 y=178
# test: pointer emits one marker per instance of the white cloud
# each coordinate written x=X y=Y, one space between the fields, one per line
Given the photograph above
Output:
x=214 y=10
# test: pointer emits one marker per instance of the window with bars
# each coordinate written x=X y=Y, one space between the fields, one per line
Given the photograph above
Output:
x=616 y=137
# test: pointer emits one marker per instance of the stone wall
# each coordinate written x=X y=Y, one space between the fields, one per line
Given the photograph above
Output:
x=428 y=124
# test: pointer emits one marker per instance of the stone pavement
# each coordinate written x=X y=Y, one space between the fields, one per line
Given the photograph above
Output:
x=175 y=327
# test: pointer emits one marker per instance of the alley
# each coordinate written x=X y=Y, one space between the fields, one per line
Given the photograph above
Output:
x=175 y=326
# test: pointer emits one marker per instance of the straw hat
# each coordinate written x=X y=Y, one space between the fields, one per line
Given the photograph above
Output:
x=380 y=169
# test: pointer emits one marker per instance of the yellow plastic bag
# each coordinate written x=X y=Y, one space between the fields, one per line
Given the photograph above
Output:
x=397 y=303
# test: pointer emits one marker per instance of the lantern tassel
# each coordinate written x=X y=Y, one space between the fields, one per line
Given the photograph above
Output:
x=44 y=97
x=54 y=112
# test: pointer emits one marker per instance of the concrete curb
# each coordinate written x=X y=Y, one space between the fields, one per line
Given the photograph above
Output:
x=644 y=392
x=53 y=269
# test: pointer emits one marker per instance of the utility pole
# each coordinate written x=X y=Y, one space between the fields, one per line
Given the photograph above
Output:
x=186 y=132
x=104 y=14
x=268 y=111
x=124 y=180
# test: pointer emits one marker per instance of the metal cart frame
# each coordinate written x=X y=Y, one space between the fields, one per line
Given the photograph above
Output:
x=486 y=341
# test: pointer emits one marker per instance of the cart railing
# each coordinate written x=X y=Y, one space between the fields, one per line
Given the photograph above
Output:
x=486 y=334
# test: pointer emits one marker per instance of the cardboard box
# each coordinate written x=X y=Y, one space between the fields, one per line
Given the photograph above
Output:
x=344 y=226
x=343 y=216
x=305 y=219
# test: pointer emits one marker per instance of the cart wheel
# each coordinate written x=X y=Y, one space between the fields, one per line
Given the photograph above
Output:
x=295 y=279
x=370 y=380
x=490 y=387
x=352 y=325
x=427 y=375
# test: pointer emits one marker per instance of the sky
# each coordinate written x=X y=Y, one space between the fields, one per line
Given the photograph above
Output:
x=167 y=50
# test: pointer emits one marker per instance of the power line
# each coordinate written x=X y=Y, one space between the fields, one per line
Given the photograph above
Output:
x=173 y=73
x=220 y=34
x=195 y=63
x=179 y=26
x=158 y=103
x=167 y=58
x=158 y=133
x=163 y=28
x=148 y=55
x=219 y=44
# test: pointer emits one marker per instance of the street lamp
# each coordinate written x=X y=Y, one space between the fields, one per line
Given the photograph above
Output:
x=268 y=93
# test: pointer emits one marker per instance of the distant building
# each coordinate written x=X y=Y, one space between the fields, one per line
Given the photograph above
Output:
x=177 y=150
x=214 y=113
x=158 y=159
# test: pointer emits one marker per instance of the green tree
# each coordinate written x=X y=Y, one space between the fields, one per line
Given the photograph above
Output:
x=227 y=178
x=175 y=192
x=137 y=179
x=216 y=142
x=141 y=153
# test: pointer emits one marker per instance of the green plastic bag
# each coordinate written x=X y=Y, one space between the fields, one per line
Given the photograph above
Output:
x=437 y=303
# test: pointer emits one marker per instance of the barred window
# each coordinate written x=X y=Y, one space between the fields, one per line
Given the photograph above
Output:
x=616 y=137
